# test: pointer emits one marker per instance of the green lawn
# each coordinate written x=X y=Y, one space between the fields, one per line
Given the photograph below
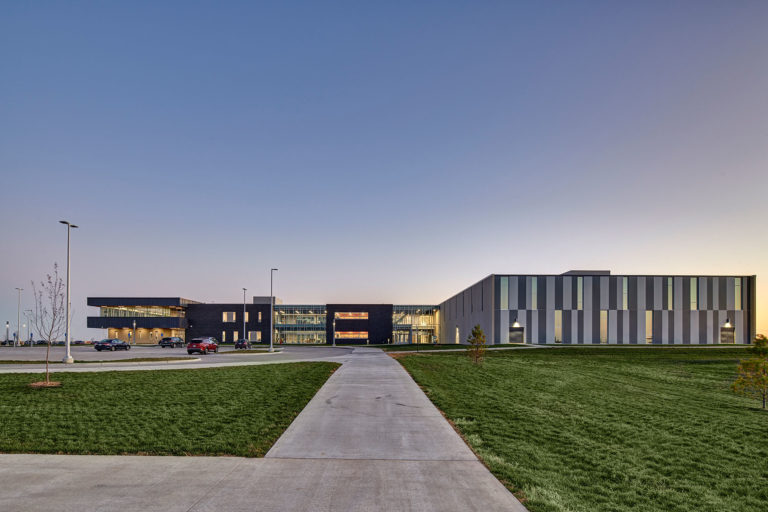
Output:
x=614 y=429
x=429 y=346
x=217 y=411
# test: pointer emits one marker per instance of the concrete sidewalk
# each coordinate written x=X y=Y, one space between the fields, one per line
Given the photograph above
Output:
x=370 y=440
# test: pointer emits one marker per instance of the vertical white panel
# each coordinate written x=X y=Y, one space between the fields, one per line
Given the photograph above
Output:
x=730 y=296
x=550 y=296
x=665 y=327
x=513 y=293
x=625 y=324
x=550 y=334
x=604 y=293
x=567 y=292
x=677 y=318
x=529 y=293
x=574 y=328
x=678 y=293
x=658 y=290
x=702 y=293
x=694 y=327
x=587 y=300
x=612 y=325
x=535 y=326
x=641 y=293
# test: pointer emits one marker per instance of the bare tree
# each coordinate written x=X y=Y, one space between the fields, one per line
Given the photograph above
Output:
x=49 y=313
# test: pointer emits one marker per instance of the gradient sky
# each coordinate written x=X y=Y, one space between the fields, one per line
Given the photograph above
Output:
x=378 y=151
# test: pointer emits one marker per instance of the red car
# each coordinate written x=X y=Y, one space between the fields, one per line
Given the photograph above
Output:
x=202 y=345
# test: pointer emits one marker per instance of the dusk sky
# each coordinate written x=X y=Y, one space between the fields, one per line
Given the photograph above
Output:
x=387 y=152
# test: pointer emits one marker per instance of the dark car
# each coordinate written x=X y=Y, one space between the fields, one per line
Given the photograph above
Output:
x=202 y=345
x=111 y=345
x=172 y=342
x=244 y=344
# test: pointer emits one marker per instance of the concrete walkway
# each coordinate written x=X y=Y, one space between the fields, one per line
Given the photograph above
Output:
x=370 y=440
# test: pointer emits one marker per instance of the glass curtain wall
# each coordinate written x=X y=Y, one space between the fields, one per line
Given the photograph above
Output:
x=415 y=324
x=300 y=324
x=140 y=311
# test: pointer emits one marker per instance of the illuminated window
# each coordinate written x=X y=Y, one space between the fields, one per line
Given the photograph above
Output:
x=737 y=291
x=235 y=336
x=603 y=327
x=228 y=316
x=352 y=335
x=458 y=340
x=669 y=293
x=352 y=316
x=579 y=293
x=259 y=316
x=223 y=336
x=558 y=326
x=534 y=293
x=694 y=293
x=625 y=293
x=247 y=317
x=504 y=293
x=254 y=335
x=648 y=327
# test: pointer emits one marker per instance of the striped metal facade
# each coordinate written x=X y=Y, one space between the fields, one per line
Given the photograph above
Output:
x=594 y=308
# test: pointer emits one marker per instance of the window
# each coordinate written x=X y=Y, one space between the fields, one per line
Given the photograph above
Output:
x=669 y=294
x=352 y=316
x=229 y=316
x=737 y=292
x=558 y=326
x=648 y=327
x=504 y=293
x=603 y=327
x=534 y=292
x=352 y=335
x=247 y=317
x=458 y=340
x=694 y=293
x=625 y=293
x=579 y=293
x=235 y=336
x=259 y=316
x=223 y=336
x=254 y=335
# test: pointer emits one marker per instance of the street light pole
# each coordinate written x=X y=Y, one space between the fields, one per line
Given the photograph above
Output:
x=245 y=334
x=333 y=339
x=18 y=320
x=134 y=332
x=271 y=310
x=7 y=326
x=68 y=357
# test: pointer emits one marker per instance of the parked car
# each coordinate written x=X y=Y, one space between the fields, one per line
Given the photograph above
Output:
x=202 y=345
x=244 y=344
x=172 y=342
x=111 y=344
x=78 y=342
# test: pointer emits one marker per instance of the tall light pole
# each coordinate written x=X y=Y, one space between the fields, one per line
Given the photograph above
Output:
x=271 y=310
x=245 y=334
x=68 y=357
x=7 y=326
x=18 y=320
x=333 y=338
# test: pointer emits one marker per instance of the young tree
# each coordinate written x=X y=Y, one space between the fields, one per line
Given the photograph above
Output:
x=752 y=379
x=49 y=313
x=476 y=348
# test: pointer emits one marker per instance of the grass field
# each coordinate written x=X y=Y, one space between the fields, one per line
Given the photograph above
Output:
x=131 y=360
x=619 y=429
x=217 y=411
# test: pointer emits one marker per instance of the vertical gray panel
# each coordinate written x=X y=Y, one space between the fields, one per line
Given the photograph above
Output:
x=722 y=289
x=568 y=293
x=686 y=325
x=620 y=327
x=738 y=322
x=702 y=293
x=596 y=323
x=596 y=293
x=542 y=293
x=658 y=326
x=587 y=317
x=502 y=331
x=664 y=294
x=567 y=326
x=686 y=292
x=703 y=315
x=677 y=329
x=549 y=331
x=587 y=294
x=559 y=292
x=711 y=323
x=641 y=293
x=613 y=325
x=671 y=326
x=513 y=294
x=677 y=290
x=543 y=314
x=528 y=324
x=730 y=297
x=604 y=292
x=522 y=292
x=633 y=326
x=658 y=290
x=632 y=293
x=550 y=303
x=529 y=292
x=580 y=317
x=625 y=322
x=649 y=293
x=715 y=296
x=497 y=300
x=574 y=326
x=693 y=338
x=498 y=321
x=710 y=293
x=613 y=292
x=665 y=325
x=534 y=326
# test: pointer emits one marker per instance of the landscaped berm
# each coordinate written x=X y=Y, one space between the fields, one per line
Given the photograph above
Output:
x=613 y=429
x=217 y=411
